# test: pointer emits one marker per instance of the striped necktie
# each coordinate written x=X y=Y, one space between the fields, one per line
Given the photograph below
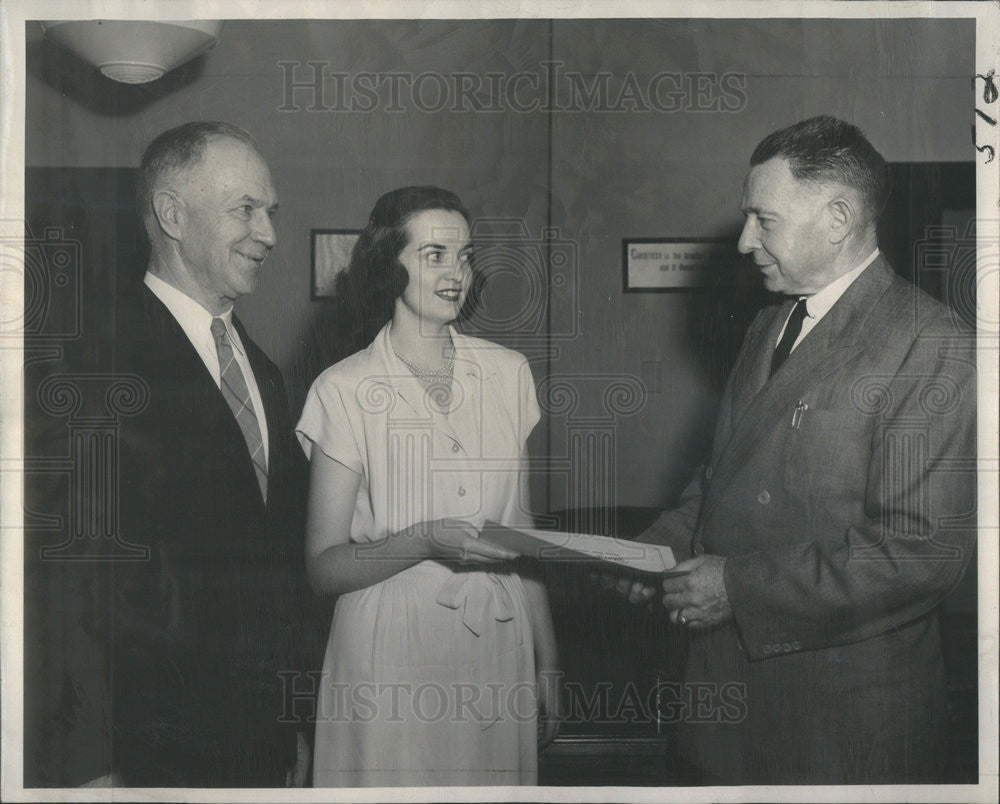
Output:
x=237 y=395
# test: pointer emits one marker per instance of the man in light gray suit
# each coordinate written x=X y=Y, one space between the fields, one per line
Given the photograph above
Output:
x=838 y=508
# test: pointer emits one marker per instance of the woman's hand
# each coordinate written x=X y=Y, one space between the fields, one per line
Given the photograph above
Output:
x=299 y=773
x=452 y=540
x=548 y=677
x=336 y=565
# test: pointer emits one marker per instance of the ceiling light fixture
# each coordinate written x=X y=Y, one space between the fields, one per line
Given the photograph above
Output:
x=134 y=51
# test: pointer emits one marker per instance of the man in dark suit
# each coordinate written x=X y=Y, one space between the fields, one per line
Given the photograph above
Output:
x=211 y=484
x=838 y=508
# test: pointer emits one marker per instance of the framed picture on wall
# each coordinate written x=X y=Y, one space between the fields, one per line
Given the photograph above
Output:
x=331 y=254
x=651 y=264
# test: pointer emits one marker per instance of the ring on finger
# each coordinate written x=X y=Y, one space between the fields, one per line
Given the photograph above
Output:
x=681 y=619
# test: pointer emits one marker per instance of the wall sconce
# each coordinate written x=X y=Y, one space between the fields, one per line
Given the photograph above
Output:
x=134 y=51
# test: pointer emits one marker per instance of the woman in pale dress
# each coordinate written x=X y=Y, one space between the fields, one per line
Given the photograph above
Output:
x=441 y=663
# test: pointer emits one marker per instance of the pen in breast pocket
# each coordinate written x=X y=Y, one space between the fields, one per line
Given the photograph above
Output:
x=800 y=409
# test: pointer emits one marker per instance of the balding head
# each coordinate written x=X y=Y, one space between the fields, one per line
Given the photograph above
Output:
x=173 y=153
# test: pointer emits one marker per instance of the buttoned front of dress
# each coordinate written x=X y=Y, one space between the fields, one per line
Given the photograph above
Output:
x=427 y=461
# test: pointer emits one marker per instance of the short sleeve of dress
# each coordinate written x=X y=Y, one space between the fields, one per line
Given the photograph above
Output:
x=528 y=412
x=327 y=423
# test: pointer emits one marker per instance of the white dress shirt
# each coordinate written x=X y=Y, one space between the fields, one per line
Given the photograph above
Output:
x=196 y=322
x=819 y=304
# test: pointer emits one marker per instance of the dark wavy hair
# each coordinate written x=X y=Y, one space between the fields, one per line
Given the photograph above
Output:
x=824 y=149
x=375 y=277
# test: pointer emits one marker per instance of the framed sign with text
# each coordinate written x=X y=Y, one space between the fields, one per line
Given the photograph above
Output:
x=675 y=264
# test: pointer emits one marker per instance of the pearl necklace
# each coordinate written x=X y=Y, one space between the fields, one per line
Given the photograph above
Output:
x=438 y=375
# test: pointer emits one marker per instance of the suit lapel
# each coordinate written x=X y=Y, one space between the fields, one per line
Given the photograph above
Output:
x=193 y=386
x=835 y=340
x=171 y=345
x=751 y=373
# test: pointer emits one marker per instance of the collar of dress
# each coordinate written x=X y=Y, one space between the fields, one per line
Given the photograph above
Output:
x=397 y=375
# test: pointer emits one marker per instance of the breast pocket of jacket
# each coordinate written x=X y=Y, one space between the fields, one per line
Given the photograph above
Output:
x=827 y=453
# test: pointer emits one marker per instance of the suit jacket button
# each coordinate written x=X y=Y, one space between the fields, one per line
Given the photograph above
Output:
x=764 y=497
x=708 y=473
x=698 y=549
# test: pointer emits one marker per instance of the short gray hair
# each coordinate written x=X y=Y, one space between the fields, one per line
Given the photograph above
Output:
x=179 y=148
x=824 y=149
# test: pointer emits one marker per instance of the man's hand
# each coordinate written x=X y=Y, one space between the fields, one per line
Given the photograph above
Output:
x=636 y=591
x=699 y=598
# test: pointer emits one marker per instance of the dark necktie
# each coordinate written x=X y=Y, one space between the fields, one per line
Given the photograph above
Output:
x=237 y=395
x=792 y=330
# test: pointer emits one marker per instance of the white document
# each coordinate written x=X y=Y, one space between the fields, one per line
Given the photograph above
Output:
x=550 y=545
